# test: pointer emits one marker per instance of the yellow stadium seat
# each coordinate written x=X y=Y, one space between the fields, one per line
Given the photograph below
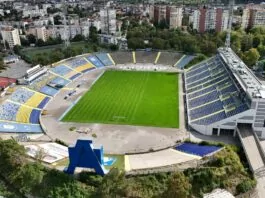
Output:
x=23 y=114
x=70 y=74
x=35 y=100
x=84 y=67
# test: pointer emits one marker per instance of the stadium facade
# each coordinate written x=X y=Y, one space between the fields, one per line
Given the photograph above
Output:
x=221 y=93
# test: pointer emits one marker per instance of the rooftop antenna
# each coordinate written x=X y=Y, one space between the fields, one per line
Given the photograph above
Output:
x=228 y=35
x=66 y=38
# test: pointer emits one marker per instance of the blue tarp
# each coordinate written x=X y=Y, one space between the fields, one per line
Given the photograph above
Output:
x=196 y=149
x=10 y=127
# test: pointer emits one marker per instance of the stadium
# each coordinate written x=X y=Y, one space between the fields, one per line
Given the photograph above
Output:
x=138 y=102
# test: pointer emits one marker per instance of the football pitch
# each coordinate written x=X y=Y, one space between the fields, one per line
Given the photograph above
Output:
x=132 y=98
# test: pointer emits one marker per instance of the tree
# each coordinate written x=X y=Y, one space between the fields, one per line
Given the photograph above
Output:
x=40 y=42
x=251 y=56
x=78 y=37
x=57 y=20
x=158 y=43
x=93 y=34
x=134 y=43
x=257 y=40
x=245 y=185
x=17 y=49
x=247 y=42
x=31 y=38
x=113 y=47
x=261 y=49
x=12 y=157
x=2 y=66
x=178 y=186
x=29 y=177
x=113 y=184
x=24 y=42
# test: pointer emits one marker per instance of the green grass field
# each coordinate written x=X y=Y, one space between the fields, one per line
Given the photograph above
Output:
x=133 y=98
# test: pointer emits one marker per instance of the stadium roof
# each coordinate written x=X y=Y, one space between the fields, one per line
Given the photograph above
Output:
x=248 y=81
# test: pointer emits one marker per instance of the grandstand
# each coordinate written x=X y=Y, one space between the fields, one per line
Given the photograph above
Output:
x=222 y=92
x=45 y=84
x=185 y=59
x=30 y=98
x=65 y=72
x=105 y=59
x=21 y=111
x=80 y=64
x=168 y=58
x=34 y=73
x=95 y=61
x=145 y=56
x=11 y=111
x=122 y=57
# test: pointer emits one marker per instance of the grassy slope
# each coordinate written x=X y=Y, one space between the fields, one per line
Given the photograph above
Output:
x=136 y=98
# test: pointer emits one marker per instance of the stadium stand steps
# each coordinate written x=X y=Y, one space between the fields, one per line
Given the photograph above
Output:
x=211 y=93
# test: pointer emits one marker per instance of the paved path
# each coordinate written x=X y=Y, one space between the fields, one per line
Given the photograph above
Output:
x=157 y=159
x=254 y=157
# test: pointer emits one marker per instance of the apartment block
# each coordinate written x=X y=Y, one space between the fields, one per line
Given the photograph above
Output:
x=253 y=16
x=11 y=36
x=205 y=19
x=108 y=21
x=171 y=14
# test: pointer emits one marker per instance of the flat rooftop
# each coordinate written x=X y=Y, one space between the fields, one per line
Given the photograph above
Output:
x=246 y=78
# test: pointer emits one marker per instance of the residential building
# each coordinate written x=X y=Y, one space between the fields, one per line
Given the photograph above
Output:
x=11 y=36
x=175 y=17
x=205 y=19
x=34 y=11
x=253 y=16
x=41 y=33
x=170 y=14
x=108 y=21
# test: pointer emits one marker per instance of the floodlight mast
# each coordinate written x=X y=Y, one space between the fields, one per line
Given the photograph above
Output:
x=66 y=38
x=228 y=35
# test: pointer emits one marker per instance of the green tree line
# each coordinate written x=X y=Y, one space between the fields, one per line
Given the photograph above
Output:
x=31 y=178
x=249 y=45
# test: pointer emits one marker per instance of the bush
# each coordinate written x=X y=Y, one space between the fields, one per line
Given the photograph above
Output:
x=91 y=179
x=245 y=186
x=72 y=128
x=94 y=135
x=196 y=60
x=61 y=142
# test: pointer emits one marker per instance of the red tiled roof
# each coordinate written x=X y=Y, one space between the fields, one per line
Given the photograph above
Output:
x=4 y=81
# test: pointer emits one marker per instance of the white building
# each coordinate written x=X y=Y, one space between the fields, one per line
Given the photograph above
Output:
x=11 y=36
x=33 y=12
x=108 y=21
x=41 y=33
x=175 y=18
x=253 y=16
x=205 y=19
